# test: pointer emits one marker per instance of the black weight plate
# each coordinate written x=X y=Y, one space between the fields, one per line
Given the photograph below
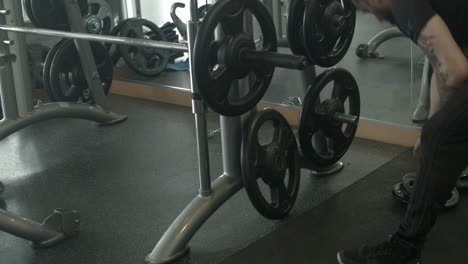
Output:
x=29 y=12
x=295 y=27
x=51 y=14
x=99 y=11
x=275 y=164
x=314 y=119
x=47 y=65
x=67 y=80
x=148 y=62
x=400 y=193
x=216 y=69
x=37 y=54
x=113 y=49
x=408 y=182
x=325 y=42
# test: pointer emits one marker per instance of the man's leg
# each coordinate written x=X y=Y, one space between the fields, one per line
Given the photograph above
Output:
x=444 y=155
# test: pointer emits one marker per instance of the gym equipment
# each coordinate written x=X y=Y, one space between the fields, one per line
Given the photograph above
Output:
x=46 y=70
x=276 y=163
x=21 y=113
x=145 y=61
x=113 y=49
x=37 y=54
x=67 y=82
x=296 y=27
x=328 y=30
x=402 y=191
x=220 y=62
x=100 y=18
x=321 y=29
x=51 y=13
x=336 y=117
x=181 y=26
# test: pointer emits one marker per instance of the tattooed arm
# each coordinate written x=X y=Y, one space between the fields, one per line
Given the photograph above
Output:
x=447 y=59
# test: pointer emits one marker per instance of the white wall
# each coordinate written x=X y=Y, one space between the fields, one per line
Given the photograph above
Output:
x=158 y=11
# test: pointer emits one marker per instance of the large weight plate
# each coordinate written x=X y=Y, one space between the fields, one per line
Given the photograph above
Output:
x=320 y=116
x=67 y=80
x=29 y=12
x=295 y=27
x=46 y=72
x=272 y=162
x=51 y=14
x=328 y=30
x=37 y=54
x=218 y=64
x=149 y=62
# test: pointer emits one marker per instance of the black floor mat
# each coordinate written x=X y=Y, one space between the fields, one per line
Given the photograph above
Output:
x=363 y=213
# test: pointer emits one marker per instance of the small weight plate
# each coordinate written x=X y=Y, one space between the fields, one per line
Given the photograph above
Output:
x=148 y=62
x=218 y=63
x=328 y=30
x=409 y=181
x=271 y=164
x=100 y=18
x=37 y=54
x=322 y=117
x=67 y=80
x=51 y=14
x=400 y=193
x=113 y=49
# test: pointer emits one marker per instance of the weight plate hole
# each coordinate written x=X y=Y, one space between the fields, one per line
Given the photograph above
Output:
x=266 y=134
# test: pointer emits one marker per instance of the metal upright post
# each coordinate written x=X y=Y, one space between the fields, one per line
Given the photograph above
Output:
x=20 y=66
x=123 y=14
x=7 y=85
x=173 y=244
x=86 y=55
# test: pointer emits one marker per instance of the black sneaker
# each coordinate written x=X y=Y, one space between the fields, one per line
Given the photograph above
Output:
x=393 y=251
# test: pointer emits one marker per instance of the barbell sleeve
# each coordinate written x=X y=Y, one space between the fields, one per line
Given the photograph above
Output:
x=276 y=59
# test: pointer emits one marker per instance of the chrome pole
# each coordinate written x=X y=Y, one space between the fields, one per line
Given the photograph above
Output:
x=99 y=38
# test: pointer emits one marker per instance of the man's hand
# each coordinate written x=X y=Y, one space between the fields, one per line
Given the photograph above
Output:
x=447 y=59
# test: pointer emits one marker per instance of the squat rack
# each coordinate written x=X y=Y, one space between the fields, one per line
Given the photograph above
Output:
x=211 y=195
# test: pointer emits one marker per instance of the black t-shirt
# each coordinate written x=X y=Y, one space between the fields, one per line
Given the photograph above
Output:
x=412 y=15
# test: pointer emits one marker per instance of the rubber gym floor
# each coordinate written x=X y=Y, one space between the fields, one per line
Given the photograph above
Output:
x=131 y=180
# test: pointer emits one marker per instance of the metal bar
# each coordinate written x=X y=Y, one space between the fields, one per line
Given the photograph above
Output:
x=347 y=119
x=58 y=226
x=7 y=85
x=21 y=68
x=99 y=38
x=25 y=228
x=86 y=57
x=60 y=110
x=173 y=244
x=383 y=36
x=279 y=60
x=199 y=110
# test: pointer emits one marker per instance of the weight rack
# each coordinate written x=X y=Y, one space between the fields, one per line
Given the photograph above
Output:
x=211 y=195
